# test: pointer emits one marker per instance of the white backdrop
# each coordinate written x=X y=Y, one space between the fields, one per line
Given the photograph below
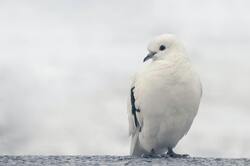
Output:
x=65 y=69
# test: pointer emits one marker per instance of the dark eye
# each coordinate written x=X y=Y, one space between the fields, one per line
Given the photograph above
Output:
x=162 y=47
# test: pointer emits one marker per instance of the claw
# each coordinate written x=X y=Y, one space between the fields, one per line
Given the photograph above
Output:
x=171 y=153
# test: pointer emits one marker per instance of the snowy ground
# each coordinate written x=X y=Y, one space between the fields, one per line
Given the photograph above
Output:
x=116 y=160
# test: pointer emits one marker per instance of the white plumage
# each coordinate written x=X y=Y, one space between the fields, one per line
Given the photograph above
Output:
x=164 y=98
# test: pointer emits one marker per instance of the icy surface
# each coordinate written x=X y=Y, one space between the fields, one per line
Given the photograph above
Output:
x=116 y=160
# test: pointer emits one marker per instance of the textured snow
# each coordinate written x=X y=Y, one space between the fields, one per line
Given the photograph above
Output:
x=116 y=160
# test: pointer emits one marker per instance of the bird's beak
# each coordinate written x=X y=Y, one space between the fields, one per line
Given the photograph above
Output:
x=149 y=56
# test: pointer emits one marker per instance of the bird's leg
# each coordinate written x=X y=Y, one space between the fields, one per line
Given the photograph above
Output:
x=152 y=154
x=171 y=153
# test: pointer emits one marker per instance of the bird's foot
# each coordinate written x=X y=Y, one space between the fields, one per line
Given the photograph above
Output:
x=171 y=153
x=149 y=155
x=165 y=155
x=152 y=154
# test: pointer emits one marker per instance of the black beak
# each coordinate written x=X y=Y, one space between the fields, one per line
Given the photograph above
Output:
x=149 y=56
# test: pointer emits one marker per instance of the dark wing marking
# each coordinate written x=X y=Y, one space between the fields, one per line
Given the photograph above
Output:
x=134 y=109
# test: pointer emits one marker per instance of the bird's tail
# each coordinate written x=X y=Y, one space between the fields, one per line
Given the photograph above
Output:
x=136 y=149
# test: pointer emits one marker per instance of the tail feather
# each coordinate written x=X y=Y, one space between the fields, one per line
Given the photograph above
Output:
x=136 y=149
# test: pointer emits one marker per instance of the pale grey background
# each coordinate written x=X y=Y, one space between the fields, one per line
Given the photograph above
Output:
x=65 y=68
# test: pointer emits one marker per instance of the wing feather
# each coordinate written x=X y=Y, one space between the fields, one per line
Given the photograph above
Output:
x=134 y=113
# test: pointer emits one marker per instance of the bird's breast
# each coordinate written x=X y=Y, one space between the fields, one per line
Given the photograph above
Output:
x=167 y=90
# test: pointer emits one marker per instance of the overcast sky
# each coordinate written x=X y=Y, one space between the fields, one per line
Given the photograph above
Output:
x=65 y=68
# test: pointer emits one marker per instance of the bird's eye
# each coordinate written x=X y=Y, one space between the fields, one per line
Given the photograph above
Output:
x=162 y=47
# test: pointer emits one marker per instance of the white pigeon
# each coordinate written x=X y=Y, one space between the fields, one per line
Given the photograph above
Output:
x=164 y=99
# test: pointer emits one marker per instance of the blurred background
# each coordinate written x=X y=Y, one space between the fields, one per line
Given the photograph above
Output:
x=65 y=69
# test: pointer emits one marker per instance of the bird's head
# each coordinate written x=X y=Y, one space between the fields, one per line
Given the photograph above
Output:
x=161 y=46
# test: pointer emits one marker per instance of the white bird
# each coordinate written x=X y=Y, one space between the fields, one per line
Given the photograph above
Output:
x=164 y=98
